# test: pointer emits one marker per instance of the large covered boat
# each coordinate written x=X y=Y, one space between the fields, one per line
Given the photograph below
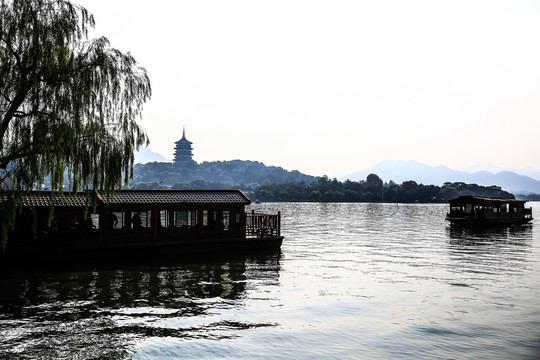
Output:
x=135 y=223
x=477 y=210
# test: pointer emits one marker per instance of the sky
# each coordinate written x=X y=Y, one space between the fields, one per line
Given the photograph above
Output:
x=334 y=87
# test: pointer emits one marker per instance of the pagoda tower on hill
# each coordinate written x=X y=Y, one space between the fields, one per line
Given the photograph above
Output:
x=183 y=152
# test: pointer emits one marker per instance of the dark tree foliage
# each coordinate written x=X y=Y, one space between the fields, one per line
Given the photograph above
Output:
x=252 y=173
x=373 y=190
x=68 y=105
x=149 y=186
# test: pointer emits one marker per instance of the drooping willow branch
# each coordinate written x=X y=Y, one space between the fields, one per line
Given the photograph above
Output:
x=68 y=104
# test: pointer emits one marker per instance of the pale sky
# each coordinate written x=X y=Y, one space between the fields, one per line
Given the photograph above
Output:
x=329 y=87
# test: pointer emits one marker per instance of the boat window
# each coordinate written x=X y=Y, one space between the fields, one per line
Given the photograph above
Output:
x=95 y=221
x=468 y=208
x=116 y=220
x=225 y=220
x=163 y=219
x=505 y=207
x=140 y=220
x=59 y=223
x=186 y=219
x=179 y=220
x=62 y=224
x=210 y=220
x=516 y=208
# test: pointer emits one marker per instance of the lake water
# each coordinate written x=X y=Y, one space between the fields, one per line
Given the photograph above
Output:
x=352 y=281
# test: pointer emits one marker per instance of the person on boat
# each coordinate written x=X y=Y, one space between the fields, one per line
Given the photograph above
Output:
x=112 y=220
x=86 y=225
x=136 y=221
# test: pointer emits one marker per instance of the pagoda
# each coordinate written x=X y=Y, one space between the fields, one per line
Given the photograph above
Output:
x=183 y=152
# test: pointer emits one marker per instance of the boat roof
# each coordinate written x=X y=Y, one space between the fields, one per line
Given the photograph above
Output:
x=236 y=197
x=133 y=197
x=46 y=198
x=481 y=199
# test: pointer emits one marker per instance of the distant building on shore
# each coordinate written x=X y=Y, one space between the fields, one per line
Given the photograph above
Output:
x=183 y=152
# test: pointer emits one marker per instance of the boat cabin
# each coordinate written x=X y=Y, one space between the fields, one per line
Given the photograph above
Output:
x=484 y=210
x=198 y=220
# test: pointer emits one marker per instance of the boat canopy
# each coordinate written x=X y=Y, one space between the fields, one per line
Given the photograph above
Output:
x=479 y=200
x=133 y=197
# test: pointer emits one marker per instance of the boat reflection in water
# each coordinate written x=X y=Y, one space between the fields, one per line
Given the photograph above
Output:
x=102 y=313
x=492 y=233
x=489 y=251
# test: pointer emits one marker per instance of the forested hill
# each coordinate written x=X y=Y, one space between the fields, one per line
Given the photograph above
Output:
x=250 y=174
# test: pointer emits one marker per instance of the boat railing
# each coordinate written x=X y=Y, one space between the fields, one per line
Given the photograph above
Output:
x=263 y=225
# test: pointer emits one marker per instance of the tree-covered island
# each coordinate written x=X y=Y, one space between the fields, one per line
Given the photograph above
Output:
x=373 y=189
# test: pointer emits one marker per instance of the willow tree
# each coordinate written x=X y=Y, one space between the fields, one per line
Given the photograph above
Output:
x=68 y=104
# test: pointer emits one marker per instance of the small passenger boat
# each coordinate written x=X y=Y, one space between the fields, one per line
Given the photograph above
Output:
x=477 y=210
x=139 y=223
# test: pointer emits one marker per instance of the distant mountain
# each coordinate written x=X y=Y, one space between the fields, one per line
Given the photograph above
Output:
x=145 y=155
x=528 y=171
x=508 y=180
x=400 y=171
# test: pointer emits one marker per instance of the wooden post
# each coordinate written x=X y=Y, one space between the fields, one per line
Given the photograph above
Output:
x=243 y=219
x=279 y=223
x=200 y=219
x=155 y=222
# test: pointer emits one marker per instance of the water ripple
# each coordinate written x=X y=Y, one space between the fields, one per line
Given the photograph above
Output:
x=352 y=281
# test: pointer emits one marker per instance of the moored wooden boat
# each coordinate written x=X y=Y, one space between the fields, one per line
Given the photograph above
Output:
x=139 y=223
x=477 y=210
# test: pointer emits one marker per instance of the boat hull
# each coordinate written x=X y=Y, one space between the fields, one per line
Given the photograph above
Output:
x=488 y=222
x=104 y=254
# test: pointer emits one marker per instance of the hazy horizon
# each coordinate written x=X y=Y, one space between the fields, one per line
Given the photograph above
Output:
x=471 y=169
x=322 y=86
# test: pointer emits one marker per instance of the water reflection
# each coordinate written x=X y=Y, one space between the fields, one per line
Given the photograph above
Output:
x=476 y=233
x=486 y=252
x=378 y=281
x=100 y=313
